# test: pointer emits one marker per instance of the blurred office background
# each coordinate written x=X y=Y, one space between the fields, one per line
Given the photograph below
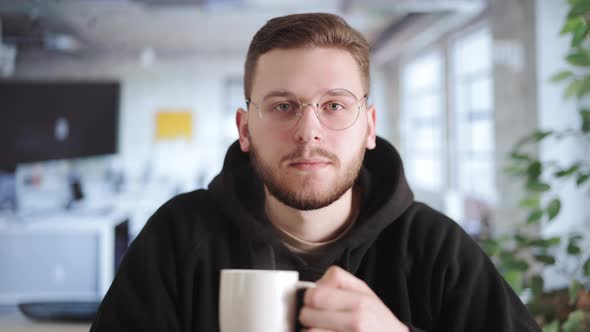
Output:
x=108 y=108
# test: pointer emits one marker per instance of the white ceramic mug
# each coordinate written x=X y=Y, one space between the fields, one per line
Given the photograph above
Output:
x=259 y=300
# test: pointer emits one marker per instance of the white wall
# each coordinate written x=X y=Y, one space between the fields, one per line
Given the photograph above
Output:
x=378 y=98
x=190 y=83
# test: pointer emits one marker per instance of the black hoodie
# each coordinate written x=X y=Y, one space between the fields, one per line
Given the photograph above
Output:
x=421 y=264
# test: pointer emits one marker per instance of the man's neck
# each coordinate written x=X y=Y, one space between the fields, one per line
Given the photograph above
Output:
x=316 y=225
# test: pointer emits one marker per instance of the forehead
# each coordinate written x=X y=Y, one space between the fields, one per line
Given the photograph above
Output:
x=306 y=72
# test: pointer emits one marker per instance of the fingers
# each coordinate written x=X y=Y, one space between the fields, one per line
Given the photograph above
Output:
x=342 y=321
x=333 y=299
x=342 y=302
x=337 y=277
x=323 y=320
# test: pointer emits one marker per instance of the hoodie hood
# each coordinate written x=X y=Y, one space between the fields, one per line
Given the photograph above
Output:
x=386 y=196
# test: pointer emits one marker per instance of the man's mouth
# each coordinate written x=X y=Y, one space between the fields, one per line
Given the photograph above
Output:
x=309 y=164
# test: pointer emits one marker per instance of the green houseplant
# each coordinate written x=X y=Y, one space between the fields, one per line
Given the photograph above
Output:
x=522 y=255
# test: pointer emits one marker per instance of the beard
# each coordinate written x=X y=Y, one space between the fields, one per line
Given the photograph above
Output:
x=302 y=196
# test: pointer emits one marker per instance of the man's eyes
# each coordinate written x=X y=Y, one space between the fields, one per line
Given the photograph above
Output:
x=333 y=106
x=284 y=107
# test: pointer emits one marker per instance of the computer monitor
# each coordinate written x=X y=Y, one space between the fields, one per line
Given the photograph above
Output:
x=54 y=120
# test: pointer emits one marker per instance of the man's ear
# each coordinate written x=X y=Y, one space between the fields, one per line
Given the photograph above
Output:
x=242 y=124
x=371 y=122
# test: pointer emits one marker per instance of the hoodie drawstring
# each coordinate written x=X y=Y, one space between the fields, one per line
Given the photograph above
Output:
x=346 y=259
x=273 y=257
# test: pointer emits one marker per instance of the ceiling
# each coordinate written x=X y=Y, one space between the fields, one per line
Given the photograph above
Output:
x=181 y=27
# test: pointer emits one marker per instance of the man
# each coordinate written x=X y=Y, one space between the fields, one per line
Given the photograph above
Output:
x=309 y=187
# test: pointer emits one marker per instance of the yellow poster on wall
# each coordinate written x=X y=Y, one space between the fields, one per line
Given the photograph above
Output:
x=174 y=124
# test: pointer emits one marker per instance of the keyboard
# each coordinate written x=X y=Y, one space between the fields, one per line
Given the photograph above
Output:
x=60 y=311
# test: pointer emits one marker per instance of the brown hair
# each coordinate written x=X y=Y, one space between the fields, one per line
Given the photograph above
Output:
x=307 y=31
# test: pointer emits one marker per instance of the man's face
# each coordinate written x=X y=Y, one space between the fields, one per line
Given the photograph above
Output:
x=306 y=165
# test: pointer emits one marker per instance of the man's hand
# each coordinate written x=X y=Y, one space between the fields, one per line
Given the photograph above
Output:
x=343 y=303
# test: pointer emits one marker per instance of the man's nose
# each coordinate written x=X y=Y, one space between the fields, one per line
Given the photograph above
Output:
x=308 y=127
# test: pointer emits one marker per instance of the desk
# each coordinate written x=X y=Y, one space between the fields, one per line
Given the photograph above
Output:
x=11 y=320
x=61 y=256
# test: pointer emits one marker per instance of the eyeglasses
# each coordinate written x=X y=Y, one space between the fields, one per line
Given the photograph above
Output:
x=336 y=109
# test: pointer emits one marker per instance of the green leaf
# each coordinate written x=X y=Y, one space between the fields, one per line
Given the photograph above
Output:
x=534 y=170
x=531 y=202
x=554 y=241
x=573 y=290
x=535 y=136
x=573 y=249
x=506 y=255
x=545 y=243
x=568 y=171
x=490 y=247
x=587 y=267
x=576 y=237
x=514 y=170
x=534 y=216
x=517 y=264
x=553 y=208
x=584 y=88
x=510 y=262
x=541 y=134
x=552 y=327
x=538 y=186
x=537 y=285
x=538 y=243
x=520 y=156
x=575 y=322
x=580 y=58
x=572 y=88
x=579 y=8
x=521 y=240
x=585 y=114
x=581 y=179
x=572 y=24
x=514 y=279
x=545 y=259
x=579 y=35
x=562 y=75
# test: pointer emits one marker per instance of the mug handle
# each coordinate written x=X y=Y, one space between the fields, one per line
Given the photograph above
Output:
x=305 y=284
x=301 y=287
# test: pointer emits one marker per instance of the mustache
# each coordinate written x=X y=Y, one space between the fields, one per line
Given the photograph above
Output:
x=301 y=153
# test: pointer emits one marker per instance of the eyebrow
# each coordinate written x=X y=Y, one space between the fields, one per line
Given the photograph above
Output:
x=278 y=93
x=338 y=92
x=285 y=93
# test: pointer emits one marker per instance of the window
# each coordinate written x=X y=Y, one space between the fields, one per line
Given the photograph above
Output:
x=473 y=124
x=423 y=121
x=233 y=99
